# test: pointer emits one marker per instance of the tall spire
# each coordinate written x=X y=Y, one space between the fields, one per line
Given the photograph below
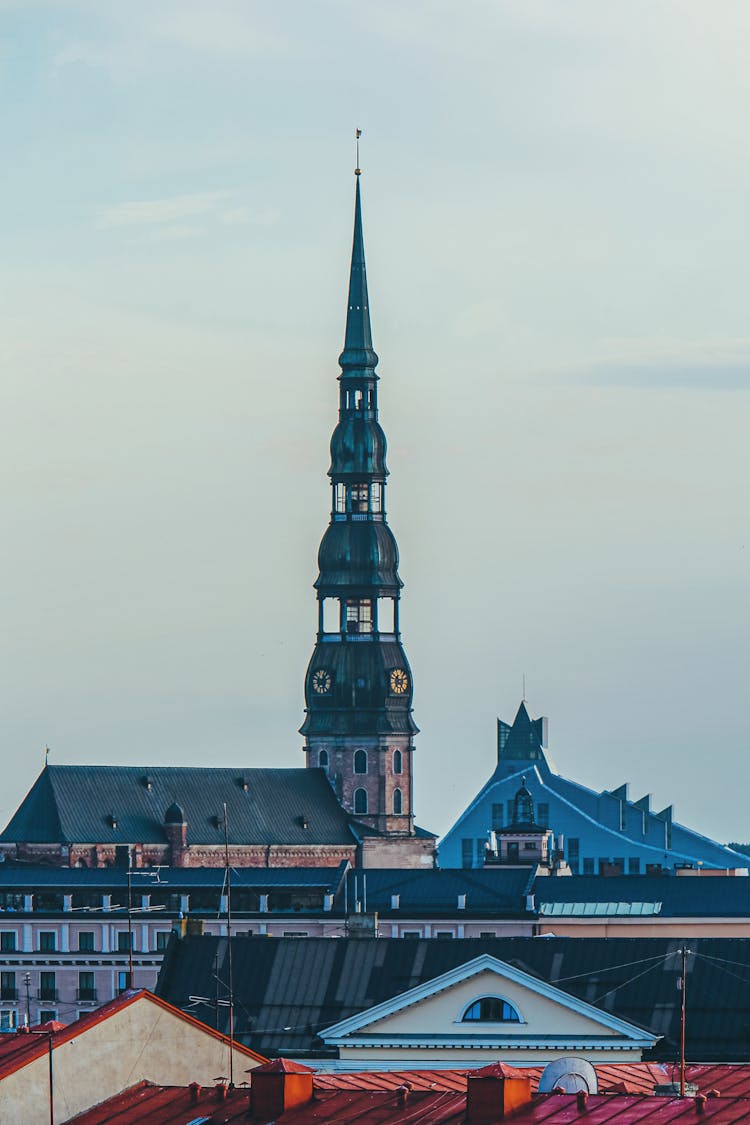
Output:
x=358 y=356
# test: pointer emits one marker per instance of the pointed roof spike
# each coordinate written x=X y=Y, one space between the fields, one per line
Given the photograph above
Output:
x=358 y=356
x=522 y=714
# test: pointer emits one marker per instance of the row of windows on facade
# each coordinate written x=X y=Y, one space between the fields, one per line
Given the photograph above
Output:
x=357 y=615
x=47 y=986
x=359 y=498
x=86 y=942
x=357 y=398
x=473 y=852
x=502 y=815
x=360 y=761
x=207 y=900
x=361 y=802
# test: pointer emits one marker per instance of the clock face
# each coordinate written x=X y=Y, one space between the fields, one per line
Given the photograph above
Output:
x=399 y=681
x=321 y=681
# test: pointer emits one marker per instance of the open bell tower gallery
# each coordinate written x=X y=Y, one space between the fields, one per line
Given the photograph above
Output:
x=358 y=688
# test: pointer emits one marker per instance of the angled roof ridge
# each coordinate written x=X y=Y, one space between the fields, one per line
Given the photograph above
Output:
x=40 y=802
x=106 y=1011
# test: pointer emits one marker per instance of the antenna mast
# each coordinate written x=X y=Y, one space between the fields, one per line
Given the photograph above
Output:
x=683 y=1003
x=228 y=886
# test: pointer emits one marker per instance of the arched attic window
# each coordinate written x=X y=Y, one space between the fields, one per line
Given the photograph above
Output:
x=490 y=1009
x=360 y=802
x=323 y=759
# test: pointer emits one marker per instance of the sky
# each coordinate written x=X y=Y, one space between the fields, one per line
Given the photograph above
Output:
x=555 y=208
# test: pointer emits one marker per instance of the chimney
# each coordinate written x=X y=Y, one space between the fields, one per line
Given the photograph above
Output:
x=175 y=829
x=278 y=1086
x=195 y=1092
x=494 y=1091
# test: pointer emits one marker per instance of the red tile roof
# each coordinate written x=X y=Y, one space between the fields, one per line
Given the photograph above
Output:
x=630 y=1078
x=22 y=1047
x=630 y=1109
x=730 y=1079
x=160 y=1105
x=170 y=1105
x=165 y=1105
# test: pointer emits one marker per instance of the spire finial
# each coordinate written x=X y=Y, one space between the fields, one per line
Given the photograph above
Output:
x=46 y=754
x=358 y=356
x=523 y=696
x=358 y=170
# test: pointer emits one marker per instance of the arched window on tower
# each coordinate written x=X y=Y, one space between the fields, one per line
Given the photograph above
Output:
x=377 y=496
x=360 y=802
x=398 y=802
x=397 y=761
x=360 y=761
x=323 y=759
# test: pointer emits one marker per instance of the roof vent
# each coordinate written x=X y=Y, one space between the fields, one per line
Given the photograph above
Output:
x=461 y=904
x=112 y=820
x=243 y=783
x=303 y=822
x=395 y=902
x=147 y=783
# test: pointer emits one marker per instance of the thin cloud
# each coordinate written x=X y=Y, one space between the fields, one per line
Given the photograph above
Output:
x=669 y=376
x=151 y=212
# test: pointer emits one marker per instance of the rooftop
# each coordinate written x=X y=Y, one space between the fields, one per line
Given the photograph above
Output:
x=127 y=804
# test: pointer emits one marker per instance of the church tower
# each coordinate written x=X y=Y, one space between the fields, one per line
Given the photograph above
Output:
x=358 y=687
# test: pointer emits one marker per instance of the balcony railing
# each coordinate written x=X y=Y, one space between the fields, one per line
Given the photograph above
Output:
x=86 y=994
x=8 y=993
x=49 y=995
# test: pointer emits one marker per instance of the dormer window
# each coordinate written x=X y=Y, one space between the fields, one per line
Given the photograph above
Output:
x=491 y=1009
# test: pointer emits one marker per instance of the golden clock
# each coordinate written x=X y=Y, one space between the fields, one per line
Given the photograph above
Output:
x=321 y=681
x=399 y=681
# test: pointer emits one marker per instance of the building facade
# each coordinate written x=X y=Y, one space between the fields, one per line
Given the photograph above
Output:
x=598 y=833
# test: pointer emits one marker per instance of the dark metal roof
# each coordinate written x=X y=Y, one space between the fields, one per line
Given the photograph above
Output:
x=24 y=877
x=127 y=804
x=358 y=557
x=678 y=896
x=288 y=990
x=493 y=892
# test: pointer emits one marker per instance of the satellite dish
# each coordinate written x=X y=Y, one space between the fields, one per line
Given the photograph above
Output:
x=570 y=1074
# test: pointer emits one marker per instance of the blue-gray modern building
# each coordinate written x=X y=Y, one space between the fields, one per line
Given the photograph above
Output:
x=600 y=833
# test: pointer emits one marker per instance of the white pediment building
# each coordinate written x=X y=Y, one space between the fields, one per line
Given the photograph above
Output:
x=483 y=1011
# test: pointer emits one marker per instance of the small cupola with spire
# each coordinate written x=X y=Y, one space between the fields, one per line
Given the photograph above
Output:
x=524 y=843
